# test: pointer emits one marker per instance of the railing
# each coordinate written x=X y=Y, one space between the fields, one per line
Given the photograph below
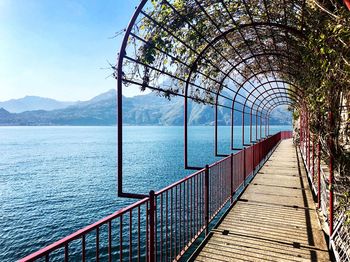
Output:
x=339 y=241
x=163 y=226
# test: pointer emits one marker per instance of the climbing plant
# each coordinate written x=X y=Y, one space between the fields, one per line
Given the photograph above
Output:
x=326 y=54
x=305 y=43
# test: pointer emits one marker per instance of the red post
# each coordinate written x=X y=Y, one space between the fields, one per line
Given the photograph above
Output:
x=313 y=159
x=308 y=146
x=251 y=126
x=206 y=199
x=231 y=179
x=152 y=231
x=319 y=172
x=347 y=3
x=331 y=160
x=244 y=165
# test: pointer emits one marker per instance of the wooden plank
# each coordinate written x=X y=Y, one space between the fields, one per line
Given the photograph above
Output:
x=275 y=220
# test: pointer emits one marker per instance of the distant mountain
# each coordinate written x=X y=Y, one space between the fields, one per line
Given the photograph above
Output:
x=30 y=103
x=147 y=109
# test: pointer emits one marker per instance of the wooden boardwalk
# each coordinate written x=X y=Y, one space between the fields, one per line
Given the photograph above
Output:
x=274 y=220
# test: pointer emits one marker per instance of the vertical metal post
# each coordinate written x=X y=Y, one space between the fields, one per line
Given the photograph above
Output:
x=244 y=166
x=122 y=54
x=151 y=247
x=308 y=146
x=331 y=162
x=120 y=127
x=251 y=127
x=231 y=178
x=301 y=138
x=260 y=125
x=243 y=129
x=313 y=159
x=216 y=128
x=206 y=199
x=185 y=132
x=319 y=172
x=256 y=126
x=232 y=126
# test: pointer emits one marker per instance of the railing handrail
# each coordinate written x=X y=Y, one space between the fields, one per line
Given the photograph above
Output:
x=60 y=243
x=179 y=182
x=129 y=209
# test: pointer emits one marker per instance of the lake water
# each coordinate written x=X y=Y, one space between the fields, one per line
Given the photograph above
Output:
x=55 y=180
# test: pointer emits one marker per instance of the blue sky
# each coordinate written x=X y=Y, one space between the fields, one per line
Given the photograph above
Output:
x=56 y=48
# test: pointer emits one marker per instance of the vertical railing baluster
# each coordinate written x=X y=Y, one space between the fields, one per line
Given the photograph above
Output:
x=166 y=224
x=152 y=231
x=206 y=199
x=244 y=166
x=176 y=223
x=147 y=231
x=110 y=241
x=171 y=223
x=97 y=244
x=121 y=238
x=161 y=227
x=319 y=172
x=139 y=233
x=331 y=175
x=66 y=255
x=83 y=256
x=180 y=218
x=130 y=235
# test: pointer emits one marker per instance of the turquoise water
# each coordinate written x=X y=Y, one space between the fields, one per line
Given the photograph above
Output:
x=55 y=180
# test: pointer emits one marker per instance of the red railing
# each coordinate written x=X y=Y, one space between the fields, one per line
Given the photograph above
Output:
x=322 y=182
x=163 y=226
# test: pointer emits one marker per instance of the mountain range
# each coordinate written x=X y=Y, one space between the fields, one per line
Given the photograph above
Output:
x=147 y=109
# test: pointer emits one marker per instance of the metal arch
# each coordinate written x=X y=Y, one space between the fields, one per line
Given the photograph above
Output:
x=272 y=108
x=280 y=88
x=255 y=75
x=119 y=77
x=120 y=101
x=297 y=94
x=261 y=113
x=219 y=37
x=234 y=101
x=239 y=27
x=260 y=116
x=287 y=28
x=294 y=95
x=281 y=95
x=289 y=103
x=267 y=125
x=234 y=68
x=284 y=95
x=244 y=61
x=241 y=85
x=251 y=112
x=251 y=57
x=274 y=88
x=281 y=103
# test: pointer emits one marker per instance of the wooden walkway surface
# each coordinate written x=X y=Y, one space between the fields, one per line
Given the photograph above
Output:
x=274 y=220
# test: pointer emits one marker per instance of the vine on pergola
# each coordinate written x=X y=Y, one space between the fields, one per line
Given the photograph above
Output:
x=230 y=46
x=175 y=34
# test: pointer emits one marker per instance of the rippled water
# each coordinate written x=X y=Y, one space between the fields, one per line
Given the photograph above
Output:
x=55 y=180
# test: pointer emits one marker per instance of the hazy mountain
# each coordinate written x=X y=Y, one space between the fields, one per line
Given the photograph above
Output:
x=30 y=103
x=147 y=109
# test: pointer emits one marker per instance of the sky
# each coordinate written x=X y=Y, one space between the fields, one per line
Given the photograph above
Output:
x=60 y=49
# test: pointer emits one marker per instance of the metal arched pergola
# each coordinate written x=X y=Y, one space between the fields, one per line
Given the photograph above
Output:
x=238 y=55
